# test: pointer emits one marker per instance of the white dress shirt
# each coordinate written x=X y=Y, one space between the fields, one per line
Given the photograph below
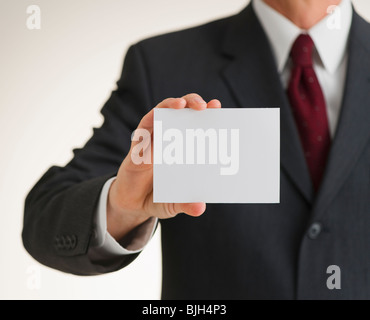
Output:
x=330 y=63
x=330 y=57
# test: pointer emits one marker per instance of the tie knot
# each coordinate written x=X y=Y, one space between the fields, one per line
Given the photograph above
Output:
x=302 y=51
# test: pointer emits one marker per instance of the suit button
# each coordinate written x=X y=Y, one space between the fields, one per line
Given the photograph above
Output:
x=59 y=242
x=65 y=242
x=73 y=241
x=314 y=231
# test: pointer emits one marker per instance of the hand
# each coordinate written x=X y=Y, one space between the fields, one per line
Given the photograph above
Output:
x=130 y=199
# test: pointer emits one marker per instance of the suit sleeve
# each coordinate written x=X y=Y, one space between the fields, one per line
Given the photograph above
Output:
x=59 y=211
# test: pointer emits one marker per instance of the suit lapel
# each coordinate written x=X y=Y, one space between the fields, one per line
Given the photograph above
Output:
x=252 y=76
x=353 y=130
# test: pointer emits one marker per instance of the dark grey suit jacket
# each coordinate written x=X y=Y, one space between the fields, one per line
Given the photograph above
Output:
x=276 y=251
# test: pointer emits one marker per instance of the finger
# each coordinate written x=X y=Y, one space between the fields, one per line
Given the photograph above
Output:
x=195 y=101
x=191 y=209
x=172 y=103
x=214 y=104
x=170 y=210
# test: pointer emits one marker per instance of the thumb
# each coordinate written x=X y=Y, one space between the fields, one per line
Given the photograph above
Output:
x=191 y=209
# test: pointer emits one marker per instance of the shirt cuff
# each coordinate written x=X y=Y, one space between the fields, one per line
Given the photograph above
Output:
x=104 y=246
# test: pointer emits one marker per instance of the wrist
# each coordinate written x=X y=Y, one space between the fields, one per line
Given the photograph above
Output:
x=121 y=219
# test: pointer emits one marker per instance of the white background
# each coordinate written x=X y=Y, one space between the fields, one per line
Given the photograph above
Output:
x=53 y=83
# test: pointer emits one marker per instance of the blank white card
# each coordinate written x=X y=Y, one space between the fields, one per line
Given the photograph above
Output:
x=216 y=155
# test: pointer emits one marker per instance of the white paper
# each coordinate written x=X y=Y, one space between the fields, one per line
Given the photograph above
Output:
x=216 y=155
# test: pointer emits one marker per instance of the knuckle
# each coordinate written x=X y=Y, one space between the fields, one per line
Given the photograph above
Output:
x=170 y=210
x=192 y=96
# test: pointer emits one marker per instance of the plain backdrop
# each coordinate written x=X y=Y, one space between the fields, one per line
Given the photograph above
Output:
x=53 y=83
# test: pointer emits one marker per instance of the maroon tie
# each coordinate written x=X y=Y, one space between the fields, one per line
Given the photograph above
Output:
x=309 y=110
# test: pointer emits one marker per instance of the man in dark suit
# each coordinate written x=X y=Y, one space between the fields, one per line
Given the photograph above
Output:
x=96 y=214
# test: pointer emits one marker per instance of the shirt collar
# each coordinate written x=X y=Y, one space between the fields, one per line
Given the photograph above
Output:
x=330 y=42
